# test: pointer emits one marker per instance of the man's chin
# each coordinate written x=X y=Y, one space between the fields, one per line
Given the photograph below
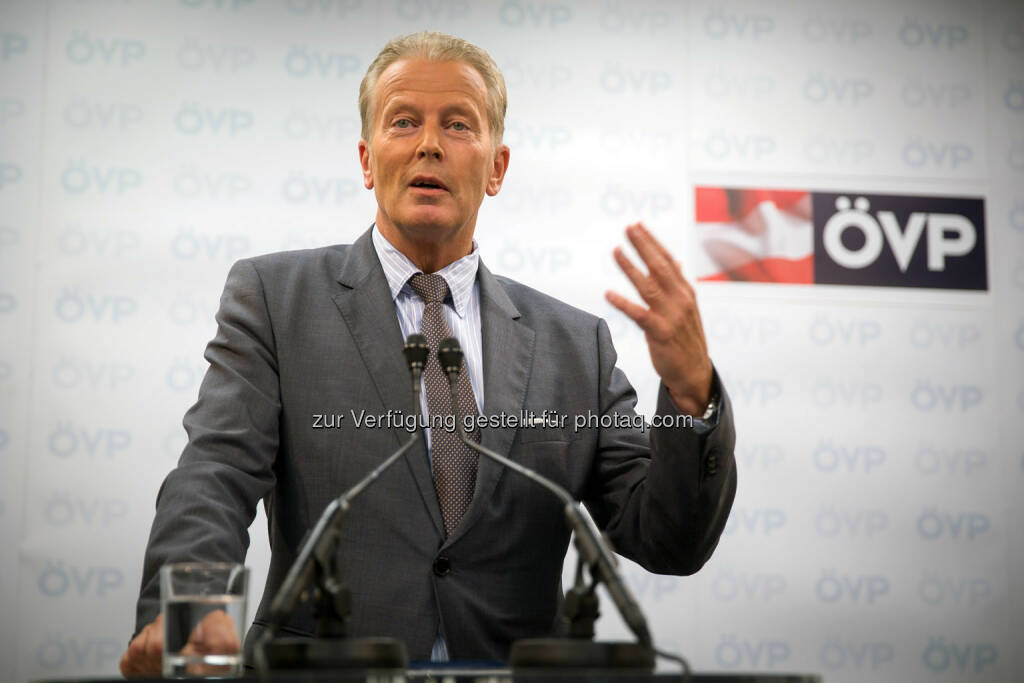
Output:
x=428 y=226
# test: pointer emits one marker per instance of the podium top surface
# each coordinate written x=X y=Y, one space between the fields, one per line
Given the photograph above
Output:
x=487 y=676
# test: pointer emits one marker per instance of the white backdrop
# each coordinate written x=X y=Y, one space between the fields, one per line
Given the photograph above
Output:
x=146 y=146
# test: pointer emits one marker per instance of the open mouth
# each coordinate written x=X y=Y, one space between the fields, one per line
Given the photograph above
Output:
x=427 y=184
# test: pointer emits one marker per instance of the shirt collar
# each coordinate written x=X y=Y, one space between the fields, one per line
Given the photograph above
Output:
x=460 y=275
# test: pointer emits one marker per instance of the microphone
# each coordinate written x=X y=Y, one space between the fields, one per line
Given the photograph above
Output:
x=590 y=544
x=317 y=559
x=416 y=351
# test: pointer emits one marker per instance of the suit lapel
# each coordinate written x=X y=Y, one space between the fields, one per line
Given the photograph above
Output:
x=508 y=358
x=369 y=311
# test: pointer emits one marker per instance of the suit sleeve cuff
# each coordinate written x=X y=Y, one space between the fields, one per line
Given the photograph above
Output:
x=700 y=426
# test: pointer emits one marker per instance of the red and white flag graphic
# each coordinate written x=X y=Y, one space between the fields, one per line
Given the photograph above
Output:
x=753 y=235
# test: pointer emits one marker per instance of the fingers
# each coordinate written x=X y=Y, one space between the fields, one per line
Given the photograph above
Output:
x=154 y=648
x=666 y=272
x=638 y=314
x=216 y=633
x=144 y=653
x=671 y=324
x=644 y=233
x=662 y=267
x=650 y=287
x=127 y=665
x=664 y=284
x=647 y=287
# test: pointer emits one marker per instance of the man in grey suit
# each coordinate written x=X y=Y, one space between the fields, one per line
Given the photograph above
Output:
x=306 y=335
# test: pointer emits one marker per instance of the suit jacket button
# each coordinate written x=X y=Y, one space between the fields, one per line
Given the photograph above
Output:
x=442 y=566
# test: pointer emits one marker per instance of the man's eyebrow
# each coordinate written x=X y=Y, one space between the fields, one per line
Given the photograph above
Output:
x=400 y=103
x=459 y=108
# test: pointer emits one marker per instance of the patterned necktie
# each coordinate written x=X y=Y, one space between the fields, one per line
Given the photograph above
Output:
x=454 y=462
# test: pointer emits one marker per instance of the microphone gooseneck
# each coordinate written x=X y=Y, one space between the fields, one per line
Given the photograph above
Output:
x=589 y=542
x=450 y=355
x=316 y=561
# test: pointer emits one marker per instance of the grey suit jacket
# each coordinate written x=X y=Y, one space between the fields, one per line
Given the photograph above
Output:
x=314 y=332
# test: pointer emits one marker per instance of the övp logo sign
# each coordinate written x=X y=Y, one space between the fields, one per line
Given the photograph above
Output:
x=899 y=241
x=849 y=238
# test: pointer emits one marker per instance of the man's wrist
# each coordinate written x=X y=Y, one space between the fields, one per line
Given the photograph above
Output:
x=705 y=413
x=689 y=404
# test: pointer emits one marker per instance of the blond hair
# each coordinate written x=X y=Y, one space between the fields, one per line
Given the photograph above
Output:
x=436 y=47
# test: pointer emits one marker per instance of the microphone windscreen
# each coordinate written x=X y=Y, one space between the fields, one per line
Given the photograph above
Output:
x=416 y=350
x=449 y=355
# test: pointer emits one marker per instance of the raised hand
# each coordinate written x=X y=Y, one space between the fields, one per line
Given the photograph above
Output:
x=671 y=322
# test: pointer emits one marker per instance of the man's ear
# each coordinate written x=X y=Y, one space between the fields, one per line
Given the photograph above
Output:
x=364 y=161
x=498 y=169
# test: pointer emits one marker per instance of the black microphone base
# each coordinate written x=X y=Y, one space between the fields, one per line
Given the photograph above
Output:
x=336 y=653
x=573 y=653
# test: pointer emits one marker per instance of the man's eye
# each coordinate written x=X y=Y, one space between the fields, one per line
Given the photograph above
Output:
x=460 y=126
x=402 y=123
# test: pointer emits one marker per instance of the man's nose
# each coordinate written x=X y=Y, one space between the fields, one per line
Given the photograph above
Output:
x=430 y=143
